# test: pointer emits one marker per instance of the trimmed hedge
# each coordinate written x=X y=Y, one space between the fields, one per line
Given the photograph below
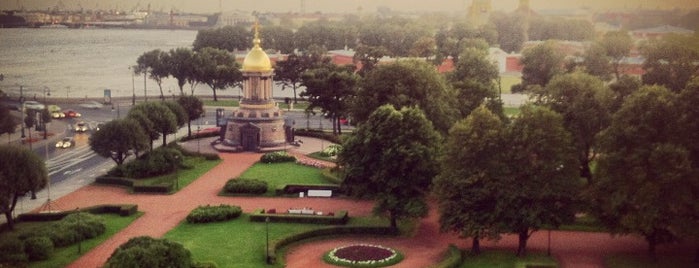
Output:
x=297 y=188
x=314 y=133
x=454 y=258
x=337 y=230
x=122 y=210
x=38 y=248
x=74 y=228
x=277 y=157
x=12 y=252
x=144 y=251
x=339 y=218
x=164 y=187
x=204 y=214
x=246 y=186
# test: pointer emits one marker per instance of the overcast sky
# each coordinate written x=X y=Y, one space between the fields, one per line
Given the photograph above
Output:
x=209 y=6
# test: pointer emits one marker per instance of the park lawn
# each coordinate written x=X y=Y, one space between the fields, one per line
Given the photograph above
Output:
x=241 y=243
x=278 y=174
x=65 y=255
x=641 y=260
x=186 y=176
x=501 y=258
x=222 y=103
x=511 y=111
x=301 y=105
x=507 y=81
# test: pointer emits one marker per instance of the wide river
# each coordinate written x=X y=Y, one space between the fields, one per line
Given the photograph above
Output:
x=80 y=63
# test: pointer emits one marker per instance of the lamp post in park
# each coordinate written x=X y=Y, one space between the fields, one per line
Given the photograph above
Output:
x=267 y=240
x=133 y=87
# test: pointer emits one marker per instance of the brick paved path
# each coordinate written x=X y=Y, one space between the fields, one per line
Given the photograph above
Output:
x=164 y=212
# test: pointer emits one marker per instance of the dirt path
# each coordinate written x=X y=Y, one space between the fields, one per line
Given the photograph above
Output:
x=164 y=212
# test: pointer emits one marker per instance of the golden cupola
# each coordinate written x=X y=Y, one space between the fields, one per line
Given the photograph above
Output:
x=257 y=60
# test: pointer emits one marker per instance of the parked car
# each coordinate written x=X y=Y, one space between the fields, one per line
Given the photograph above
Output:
x=81 y=126
x=65 y=143
x=33 y=105
x=91 y=105
x=72 y=114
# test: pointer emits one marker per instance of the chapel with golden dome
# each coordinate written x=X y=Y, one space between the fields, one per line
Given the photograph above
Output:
x=258 y=124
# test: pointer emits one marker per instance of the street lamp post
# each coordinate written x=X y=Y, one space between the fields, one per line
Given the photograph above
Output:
x=145 y=93
x=267 y=240
x=47 y=92
x=133 y=88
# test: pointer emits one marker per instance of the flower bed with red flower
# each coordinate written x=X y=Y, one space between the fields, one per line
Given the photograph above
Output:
x=363 y=255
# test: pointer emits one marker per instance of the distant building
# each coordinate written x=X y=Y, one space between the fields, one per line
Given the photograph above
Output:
x=479 y=12
x=659 y=32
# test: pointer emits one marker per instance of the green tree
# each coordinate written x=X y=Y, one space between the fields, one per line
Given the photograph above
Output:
x=217 y=69
x=407 y=83
x=511 y=31
x=154 y=64
x=288 y=73
x=468 y=185
x=393 y=158
x=230 y=38
x=163 y=120
x=21 y=171
x=328 y=87
x=617 y=45
x=541 y=63
x=194 y=108
x=596 y=62
x=144 y=251
x=423 y=47
x=474 y=80
x=279 y=38
x=180 y=64
x=645 y=181
x=543 y=183
x=145 y=124
x=368 y=57
x=181 y=115
x=622 y=88
x=118 y=138
x=8 y=123
x=671 y=61
x=584 y=103
x=29 y=120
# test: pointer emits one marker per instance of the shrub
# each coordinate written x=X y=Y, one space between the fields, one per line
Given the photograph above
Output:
x=331 y=150
x=73 y=228
x=318 y=134
x=144 y=251
x=160 y=161
x=204 y=214
x=12 y=252
x=246 y=186
x=38 y=248
x=277 y=157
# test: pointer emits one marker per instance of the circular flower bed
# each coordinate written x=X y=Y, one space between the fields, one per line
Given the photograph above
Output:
x=363 y=255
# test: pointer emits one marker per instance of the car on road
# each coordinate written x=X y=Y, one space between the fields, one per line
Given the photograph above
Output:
x=33 y=105
x=55 y=111
x=65 y=143
x=81 y=126
x=92 y=105
x=71 y=114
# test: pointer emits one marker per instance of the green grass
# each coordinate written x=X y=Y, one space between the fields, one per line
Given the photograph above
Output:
x=511 y=111
x=584 y=223
x=65 y=255
x=507 y=81
x=239 y=242
x=506 y=259
x=223 y=103
x=301 y=105
x=319 y=156
x=278 y=174
x=186 y=176
x=673 y=259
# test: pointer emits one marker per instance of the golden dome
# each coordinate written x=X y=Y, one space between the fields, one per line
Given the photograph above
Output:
x=257 y=60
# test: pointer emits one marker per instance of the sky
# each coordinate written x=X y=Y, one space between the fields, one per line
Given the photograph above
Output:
x=342 y=6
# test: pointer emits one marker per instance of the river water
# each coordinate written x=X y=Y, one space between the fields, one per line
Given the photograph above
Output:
x=80 y=63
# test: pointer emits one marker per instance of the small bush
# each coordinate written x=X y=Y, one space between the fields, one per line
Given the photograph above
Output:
x=160 y=161
x=38 y=248
x=277 y=157
x=331 y=150
x=12 y=252
x=144 y=251
x=73 y=228
x=204 y=214
x=318 y=134
x=246 y=186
